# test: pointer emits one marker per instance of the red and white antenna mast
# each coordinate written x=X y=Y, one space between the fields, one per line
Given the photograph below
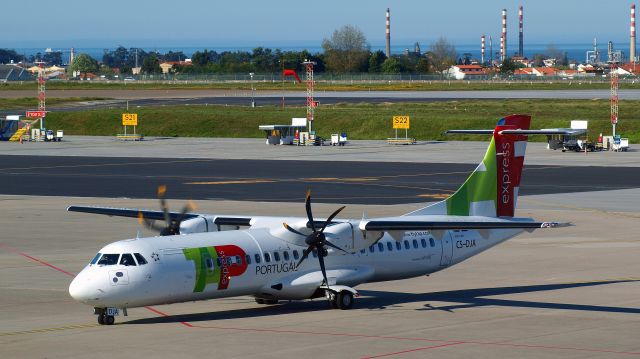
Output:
x=613 y=73
x=310 y=102
x=504 y=35
x=42 y=94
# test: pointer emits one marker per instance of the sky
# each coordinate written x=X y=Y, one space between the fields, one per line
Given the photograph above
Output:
x=184 y=23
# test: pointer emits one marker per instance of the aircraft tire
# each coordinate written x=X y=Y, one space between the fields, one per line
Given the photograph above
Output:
x=345 y=300
x=101 y=319
x=109 y=319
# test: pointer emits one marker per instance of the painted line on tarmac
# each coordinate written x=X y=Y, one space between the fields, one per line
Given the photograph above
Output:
x=414 y=339
x=253 y=181
x=414 y=350
x=47 y=330
x=107 y=164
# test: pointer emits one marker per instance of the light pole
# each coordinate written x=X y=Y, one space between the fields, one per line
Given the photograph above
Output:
x=253 y=102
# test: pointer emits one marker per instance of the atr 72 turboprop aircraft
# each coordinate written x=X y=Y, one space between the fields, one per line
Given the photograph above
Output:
x=200 y=256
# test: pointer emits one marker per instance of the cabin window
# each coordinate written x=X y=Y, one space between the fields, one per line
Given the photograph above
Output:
x=406 y=244
x=257 y=257
x=219 y=261
x=209 y=263
x=140 y=259
x=267 y=257
x=389 y=246
x=239 y=260
x=415 y=243
x=95 y=259
x=295 y=254
x=247 y=258
x=432 y=242
x=423 y=242
x=285 y=255
x=371 y=248
x=380 y=247
x=108 y=259
x=398 y=245
x=276 y=256
x=127 y=260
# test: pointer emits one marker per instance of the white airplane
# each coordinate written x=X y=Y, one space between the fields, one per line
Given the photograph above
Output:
x=200 y=257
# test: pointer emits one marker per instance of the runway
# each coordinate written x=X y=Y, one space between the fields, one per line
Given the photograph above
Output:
x=278 y=181
x=123 y=98
x=563 y=293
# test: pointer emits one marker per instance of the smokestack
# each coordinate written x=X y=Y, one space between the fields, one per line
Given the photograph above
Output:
x=490 y=50
x=388 y=33
x=482 y=50
x=503 y=41
x=632 y=46
x=520 y=36
x=501 y=47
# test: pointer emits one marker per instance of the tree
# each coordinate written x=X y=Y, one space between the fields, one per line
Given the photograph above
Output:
x=422 y=67
x=346 y=51
x=509 y=66
x=83 y=63
x=375 y=61
x=151 y=64
x=443 y=54
x=391 y=66
x=6 y=56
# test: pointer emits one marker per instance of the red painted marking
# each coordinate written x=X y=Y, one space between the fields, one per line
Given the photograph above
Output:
x=15 y=251
x=166 y=315
x=446 y=342
x=413 y=350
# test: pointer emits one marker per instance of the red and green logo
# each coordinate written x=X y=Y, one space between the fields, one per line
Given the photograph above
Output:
x=216 y=265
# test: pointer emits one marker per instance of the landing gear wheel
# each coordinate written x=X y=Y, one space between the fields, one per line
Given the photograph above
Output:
x=259 y=300
x=109 y=319
x=271 y=301
x=333 y=299
x=345 y=300
x=101 y=319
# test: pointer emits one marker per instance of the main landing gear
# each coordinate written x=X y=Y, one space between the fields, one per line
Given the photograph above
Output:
x=340 y=300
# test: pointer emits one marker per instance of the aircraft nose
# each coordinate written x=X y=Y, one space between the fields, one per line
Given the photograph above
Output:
x=82 y=290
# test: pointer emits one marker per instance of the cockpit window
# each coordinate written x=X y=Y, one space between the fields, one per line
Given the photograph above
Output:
x=127 y=260
x=140 y=259
x=108 y=259
x=95 y=259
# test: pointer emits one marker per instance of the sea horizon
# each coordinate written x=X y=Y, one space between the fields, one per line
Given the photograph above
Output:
x=575 y=50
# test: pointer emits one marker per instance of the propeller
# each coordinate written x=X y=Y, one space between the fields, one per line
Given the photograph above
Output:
x=172 y=226
x=316 y=240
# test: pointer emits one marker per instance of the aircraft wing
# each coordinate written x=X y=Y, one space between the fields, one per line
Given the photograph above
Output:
x=433 y=223
x=156 y=215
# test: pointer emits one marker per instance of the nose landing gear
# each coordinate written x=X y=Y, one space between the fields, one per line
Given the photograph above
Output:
x=106 y=316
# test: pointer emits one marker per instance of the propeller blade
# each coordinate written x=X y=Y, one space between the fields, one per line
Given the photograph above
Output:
x=324 y=272
x=162 y=190
x=293 y=230
x=331 y=217
x=175 y=225
x=307 y=205
x=334 y=246
x=149 y=224
x=305 y=254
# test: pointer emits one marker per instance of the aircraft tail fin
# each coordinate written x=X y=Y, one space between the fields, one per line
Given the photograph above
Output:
x=492 y=189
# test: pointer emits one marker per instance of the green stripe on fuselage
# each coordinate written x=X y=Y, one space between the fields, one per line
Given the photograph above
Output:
x=204 y=274
x=480 y=186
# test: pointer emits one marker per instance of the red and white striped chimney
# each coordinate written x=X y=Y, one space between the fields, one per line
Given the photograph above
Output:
x=388 y=33
x=503 y=54
x=632 y=46
x=482 y=50
x=501 y=47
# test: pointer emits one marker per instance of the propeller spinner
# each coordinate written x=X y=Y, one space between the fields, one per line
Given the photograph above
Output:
x=172 y=225
x=317 y=239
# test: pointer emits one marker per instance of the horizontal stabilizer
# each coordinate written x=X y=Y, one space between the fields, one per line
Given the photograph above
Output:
x=548 y=131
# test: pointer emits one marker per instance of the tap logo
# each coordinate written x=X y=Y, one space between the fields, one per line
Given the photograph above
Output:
x=217 y=264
